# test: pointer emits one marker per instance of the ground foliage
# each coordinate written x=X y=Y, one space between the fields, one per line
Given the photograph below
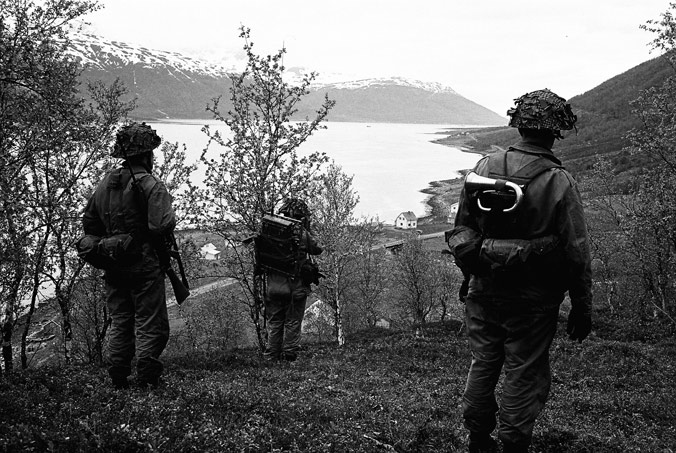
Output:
x=384 y=391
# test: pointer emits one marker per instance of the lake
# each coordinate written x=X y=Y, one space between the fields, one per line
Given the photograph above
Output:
x=391 y=163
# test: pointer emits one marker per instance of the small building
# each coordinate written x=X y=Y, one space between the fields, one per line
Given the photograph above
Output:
x=406 y=221
x=209 y=252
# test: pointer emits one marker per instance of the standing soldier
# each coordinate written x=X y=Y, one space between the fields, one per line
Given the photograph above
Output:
x=286 y=295
x=521 y=260
x=131 y=211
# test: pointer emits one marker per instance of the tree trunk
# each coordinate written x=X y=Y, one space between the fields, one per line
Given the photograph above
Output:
x=7 y=345
x=257 y=310
x=27 y=326
x=36 y=288
x=340 y=329
x=66 y=326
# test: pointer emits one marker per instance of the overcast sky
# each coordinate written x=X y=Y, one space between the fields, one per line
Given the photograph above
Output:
x=490 y=51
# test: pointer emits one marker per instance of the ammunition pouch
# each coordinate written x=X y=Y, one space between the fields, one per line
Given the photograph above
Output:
x=109 y=252
x=504 y=253
x=511 y=256
x=465 y=246
x=508 y=257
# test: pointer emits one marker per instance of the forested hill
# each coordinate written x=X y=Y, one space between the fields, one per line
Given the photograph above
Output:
x=604 y=118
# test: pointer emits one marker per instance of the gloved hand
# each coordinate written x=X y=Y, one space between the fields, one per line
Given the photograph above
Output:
x=579 y=323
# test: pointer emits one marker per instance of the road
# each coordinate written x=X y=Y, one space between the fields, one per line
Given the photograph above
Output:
x=204 y=289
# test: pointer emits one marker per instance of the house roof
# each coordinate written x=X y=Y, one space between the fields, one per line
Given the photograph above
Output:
x=408 y=215
x=209 y=248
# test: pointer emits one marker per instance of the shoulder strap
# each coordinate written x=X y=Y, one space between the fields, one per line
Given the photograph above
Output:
x=539 y=164
x=536 y=167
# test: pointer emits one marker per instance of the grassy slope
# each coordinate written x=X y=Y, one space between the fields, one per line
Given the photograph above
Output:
x=384 y=391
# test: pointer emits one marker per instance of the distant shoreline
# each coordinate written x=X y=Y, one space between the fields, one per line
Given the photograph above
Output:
x=444 y=193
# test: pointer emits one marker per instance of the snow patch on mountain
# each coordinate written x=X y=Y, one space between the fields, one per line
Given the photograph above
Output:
x=102 y=54
x=433 y=87
x=99 y=53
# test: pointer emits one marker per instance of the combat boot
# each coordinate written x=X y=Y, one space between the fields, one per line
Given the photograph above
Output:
x=120 y=383
x=509 y=447
x=481 y=443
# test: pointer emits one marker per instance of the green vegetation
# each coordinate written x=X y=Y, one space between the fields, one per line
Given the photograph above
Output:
x=383 y=391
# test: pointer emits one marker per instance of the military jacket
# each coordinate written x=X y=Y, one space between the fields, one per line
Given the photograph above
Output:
x=116 y=208
x=551 y=206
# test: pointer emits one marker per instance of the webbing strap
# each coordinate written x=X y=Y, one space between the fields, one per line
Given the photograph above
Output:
x=525 y=174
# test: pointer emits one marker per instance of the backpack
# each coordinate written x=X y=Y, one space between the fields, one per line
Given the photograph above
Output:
x=277 y=245
x=500 y=249
x=496 y=223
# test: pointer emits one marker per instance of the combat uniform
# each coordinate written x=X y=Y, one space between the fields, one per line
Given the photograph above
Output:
x=287 y=295
x=135 y=290
x=512 y=313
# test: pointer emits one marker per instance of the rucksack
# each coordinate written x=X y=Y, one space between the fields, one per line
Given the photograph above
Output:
x=499 y=247
x=278 y=245
x=496 y=223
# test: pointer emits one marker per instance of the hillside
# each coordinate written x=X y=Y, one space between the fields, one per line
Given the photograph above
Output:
x=390 y=101
x=169 y=85
x=384 y=391
x=604 y=118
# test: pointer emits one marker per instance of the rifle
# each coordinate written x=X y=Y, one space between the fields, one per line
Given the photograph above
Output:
x=180 y=286
x=165 y=247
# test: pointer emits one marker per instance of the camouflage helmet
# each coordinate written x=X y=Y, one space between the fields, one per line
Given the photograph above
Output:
x=542 y=109
x=135 y=138
x=295 y=208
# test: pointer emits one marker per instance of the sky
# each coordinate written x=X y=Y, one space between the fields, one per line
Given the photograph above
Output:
x=489 y=51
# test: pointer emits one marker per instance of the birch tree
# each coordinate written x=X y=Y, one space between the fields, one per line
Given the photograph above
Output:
x=416 y=272
x=343 y=238
x=49 y=138
x=636 y=231
x=259 y=163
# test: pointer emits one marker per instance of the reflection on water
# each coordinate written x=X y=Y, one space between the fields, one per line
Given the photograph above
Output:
x=391 y=163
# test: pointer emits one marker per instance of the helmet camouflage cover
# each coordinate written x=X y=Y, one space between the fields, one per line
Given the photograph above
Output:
x=542 y=109
x=135 y=138
x=295 y=208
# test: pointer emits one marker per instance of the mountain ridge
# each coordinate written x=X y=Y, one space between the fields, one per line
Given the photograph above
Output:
x=170 y=85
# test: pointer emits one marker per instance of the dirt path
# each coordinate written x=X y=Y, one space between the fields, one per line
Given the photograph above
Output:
x=204 y=289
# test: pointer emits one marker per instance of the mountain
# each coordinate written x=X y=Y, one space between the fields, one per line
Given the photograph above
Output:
x=398 y=100
x=171 y=85
x=165 y=84
x=605 y=117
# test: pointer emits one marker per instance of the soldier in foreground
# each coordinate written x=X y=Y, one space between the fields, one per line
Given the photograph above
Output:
x=132 y=212
x=520 y=261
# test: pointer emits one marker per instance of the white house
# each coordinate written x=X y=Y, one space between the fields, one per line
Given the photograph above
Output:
x=406 y=221
x=209 y=252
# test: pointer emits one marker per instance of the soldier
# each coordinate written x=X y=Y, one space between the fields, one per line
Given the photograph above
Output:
x=132 y=213
x=286 y=295
x=521 y=263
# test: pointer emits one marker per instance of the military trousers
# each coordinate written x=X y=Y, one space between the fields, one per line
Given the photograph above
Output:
x=140 y=325
x=284 y=318
x=520 y=342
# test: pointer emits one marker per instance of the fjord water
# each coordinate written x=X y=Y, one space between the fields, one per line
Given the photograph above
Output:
x=391 y=163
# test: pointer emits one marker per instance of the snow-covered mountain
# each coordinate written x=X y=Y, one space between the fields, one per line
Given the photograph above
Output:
x=171 y=85
x=432 y=87
x=100 y=54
